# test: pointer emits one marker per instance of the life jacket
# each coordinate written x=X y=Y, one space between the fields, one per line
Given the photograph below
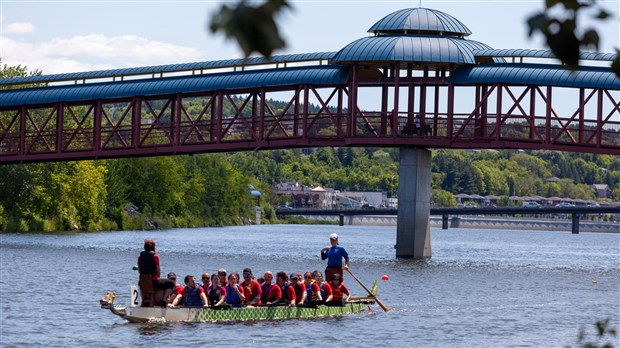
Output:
x=192 y=297
x=266 y=291
x=147 y=264
x=232 y=298
x=214 y=295
x=299 y=290
x=206 y=290
x=323 y=292
x=284 y=292
x=310 y=295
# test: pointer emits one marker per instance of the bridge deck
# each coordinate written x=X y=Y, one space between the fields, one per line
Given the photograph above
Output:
x=458 y=211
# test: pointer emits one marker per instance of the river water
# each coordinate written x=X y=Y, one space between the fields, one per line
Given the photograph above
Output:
x=482 y=288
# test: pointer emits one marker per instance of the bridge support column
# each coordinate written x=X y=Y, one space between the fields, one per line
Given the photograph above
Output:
x=575 y=228
x=258 y=215
x=414 y=204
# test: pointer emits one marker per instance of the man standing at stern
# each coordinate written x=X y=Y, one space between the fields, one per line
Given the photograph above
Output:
x=334 y=256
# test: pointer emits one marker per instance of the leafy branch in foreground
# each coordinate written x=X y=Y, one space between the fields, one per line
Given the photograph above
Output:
x=558 y=22
x=603 y=332
x=254 y=27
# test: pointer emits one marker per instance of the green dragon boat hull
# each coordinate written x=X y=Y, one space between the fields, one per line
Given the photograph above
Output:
x=139 y=314
x=150 y=314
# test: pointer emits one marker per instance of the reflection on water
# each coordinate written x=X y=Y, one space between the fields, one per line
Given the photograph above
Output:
x=146 y=329
x=481 y=288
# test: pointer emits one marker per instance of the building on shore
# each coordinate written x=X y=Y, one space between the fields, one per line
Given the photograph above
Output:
x=300 y=196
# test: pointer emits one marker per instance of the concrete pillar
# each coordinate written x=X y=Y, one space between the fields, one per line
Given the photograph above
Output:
x=413 y=236
x=258 y=215
x=575 y=229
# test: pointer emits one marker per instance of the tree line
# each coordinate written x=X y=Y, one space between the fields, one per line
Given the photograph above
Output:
x=212 y=189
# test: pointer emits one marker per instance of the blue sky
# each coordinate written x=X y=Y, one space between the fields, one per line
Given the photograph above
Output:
x=68 y=36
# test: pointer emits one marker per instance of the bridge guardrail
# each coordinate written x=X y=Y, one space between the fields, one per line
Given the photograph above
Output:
x=458 y=211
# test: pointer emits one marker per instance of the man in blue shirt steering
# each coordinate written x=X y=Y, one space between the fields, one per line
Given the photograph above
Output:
x=334 y=255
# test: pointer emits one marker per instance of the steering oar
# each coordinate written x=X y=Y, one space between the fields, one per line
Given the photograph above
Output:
x=384 y=307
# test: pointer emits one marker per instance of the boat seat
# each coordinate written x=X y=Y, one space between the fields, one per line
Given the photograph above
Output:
x=146 y=290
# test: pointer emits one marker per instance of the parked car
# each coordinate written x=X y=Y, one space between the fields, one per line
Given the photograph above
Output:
x=469 y=206
x=529 y=204
x=564 y=205
x=593 y=205
x=369 y=207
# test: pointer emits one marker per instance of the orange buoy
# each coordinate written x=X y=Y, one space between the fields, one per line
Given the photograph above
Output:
x=385 y=277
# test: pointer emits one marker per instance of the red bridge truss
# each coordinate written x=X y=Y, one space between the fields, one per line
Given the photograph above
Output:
x=437 y=114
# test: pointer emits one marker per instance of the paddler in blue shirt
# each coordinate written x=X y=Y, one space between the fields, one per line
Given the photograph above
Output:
x=334 y=255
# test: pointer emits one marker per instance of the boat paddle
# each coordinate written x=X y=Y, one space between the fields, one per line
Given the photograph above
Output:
x=384 y=307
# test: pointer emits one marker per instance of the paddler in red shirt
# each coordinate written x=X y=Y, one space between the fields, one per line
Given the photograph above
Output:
x=313 y=292
x=271 y=293
x=288 y=292
x=251 y=288
x=339 y=290
x=326 y=289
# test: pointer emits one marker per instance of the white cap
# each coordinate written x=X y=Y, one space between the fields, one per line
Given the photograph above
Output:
x=333 y=236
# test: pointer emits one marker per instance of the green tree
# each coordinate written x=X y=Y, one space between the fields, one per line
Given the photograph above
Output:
x=8 y=71
x=154 y=184
x=88 y=192
x=504 y=201
x=20 y=188
x=443 y=198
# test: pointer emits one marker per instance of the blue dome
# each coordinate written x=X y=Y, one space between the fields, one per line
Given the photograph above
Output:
x=420 y=21
x=419 y=49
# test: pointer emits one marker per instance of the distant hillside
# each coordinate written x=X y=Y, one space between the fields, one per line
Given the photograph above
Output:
x=506 y=172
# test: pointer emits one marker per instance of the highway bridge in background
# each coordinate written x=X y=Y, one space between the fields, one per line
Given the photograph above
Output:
x=575 y=212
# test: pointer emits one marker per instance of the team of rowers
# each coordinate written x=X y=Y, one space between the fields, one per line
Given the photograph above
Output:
x=224 y=290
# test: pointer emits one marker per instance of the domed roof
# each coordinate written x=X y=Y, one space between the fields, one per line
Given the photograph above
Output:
x=418 y=48
x=420 y=21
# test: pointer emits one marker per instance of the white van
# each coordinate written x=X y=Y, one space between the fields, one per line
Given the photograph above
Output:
x=528 y=204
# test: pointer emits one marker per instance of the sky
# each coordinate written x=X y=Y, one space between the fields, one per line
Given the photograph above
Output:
x=70 y=36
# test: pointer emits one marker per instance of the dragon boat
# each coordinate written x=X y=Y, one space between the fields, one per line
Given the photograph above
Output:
x=137 y=314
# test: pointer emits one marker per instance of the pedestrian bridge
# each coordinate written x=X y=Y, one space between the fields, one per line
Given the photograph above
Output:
x=416 y=81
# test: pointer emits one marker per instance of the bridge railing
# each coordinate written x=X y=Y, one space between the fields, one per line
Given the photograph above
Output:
x=41 y=136
x=245 y=119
